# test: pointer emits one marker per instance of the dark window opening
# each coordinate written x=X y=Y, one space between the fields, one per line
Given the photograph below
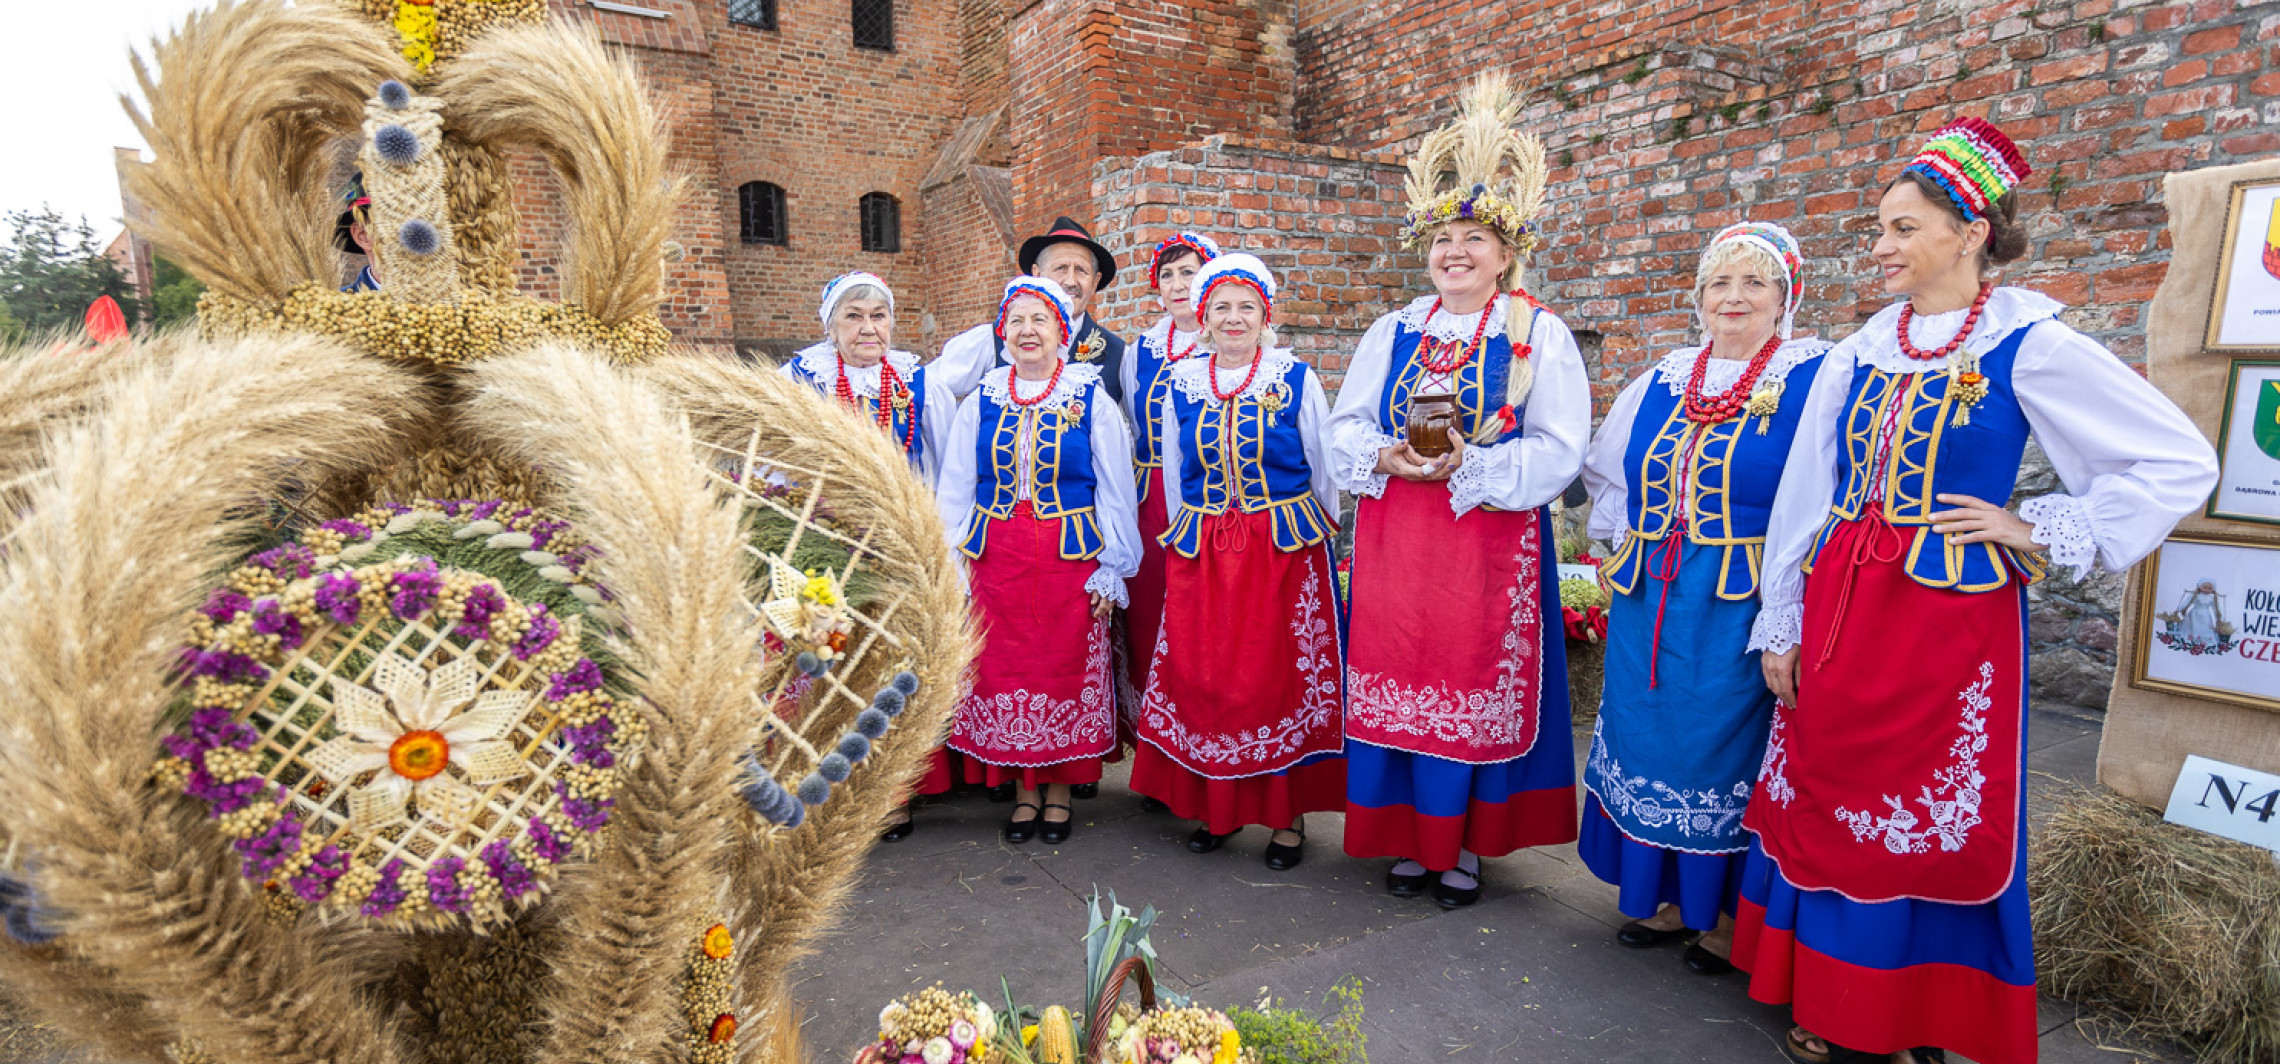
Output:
x=875 y=24
x=759 y=14
x=760 y=214
x=882 y=222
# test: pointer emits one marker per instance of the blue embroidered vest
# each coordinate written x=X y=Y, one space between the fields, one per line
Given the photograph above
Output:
x=909 y=418
x=1152 y=374
x=1480 y=381
x=1932 y=456
x=1268 y=462
x=1736 y=469
x=1064 y=488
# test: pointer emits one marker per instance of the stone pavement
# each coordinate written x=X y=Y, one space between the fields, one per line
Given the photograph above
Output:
x=1531 y=973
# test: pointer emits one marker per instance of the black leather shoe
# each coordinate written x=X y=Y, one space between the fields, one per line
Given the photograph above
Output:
x=1019 y=831
x=1056 y=832
x=1457 y=897
x=1085 y=790
x=1001 y=793
x=1401 y=886
x=1151 y=805
x=1201 y=840
x=1703 y=962
x=897 y=832
x=1283 y=858
x=1639 y=936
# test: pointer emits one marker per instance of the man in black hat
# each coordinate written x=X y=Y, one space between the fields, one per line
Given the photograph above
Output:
x=349 y=233
x=1066 y=255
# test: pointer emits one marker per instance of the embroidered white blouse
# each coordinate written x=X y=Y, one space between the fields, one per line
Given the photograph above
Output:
x=821 y=364
x=2132 y=463
x=1603 y=472
x=1168 y=340
x=1518 y=474
x=1313 y=412
x=1115 y=498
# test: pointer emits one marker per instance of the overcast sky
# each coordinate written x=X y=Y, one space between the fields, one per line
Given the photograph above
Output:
x=61 y=116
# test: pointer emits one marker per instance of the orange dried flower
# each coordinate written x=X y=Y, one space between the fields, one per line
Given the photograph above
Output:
x=723 y=1028
x=718 y=943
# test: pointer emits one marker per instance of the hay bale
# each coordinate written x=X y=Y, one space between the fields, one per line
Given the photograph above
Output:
x=1587 y=673
x=2173 y=932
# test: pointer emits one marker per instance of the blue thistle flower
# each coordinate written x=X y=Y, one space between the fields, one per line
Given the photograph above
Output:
x=769 y=799
x=419 y=237
x=396 y=144
x=394 y=95
x=889 y=702
x=906 y=681
x=854 y=747
x=808 y=664
x=871 y=722
x=815 y=790
x=835 y=768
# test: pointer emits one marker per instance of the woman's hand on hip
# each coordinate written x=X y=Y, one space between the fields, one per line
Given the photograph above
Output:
x=1976 y=521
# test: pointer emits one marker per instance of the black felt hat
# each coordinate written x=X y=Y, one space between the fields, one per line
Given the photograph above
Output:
x=1066 y=230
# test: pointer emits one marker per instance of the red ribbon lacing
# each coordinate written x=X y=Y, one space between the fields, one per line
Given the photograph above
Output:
x=1865 y=548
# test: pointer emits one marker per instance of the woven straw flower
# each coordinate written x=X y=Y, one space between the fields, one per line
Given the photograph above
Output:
x=413 y=746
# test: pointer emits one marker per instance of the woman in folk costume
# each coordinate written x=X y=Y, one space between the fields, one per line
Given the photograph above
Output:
x=1147 y=380
x=1036 y=491
x=1884 y=896
x=1682 y=476
x=1453 y=671
x=857 y=364
x=1240 y=722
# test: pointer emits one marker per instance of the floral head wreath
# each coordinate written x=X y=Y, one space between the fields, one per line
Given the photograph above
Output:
x=1974 y=163
x=1043 y=288
x=1777 y=242
x=1478 y=169
x=1238 y=268
x=848 y=282
x=1204 y=247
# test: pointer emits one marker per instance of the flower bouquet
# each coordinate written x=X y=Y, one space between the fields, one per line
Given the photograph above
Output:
x=934 y=1026
x=1192 y=1035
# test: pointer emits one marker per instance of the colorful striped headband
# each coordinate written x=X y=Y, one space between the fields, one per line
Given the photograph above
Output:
x=1974 y=163
x=1202 y=245
x=845 y=282
x=1042 y=288
x=1239 y=268
x=1778 y=242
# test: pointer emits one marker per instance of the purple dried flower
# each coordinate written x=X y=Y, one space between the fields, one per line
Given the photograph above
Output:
x=350 y=531
x=483 y=603
x=414 y=590
x=222 y=665
x=585 y=814
x=444 y=888
x=224 y=604
x=223 y=799
x=270 y=618
x=550 y=848
x=263 y=853
x=543 y=532
x=212 y=727
x=389 y=894
x=584 y=676
x=337 y=598
x=314 y=883
x=293 y=561
x=515 y=878
x=484 y=509
x=543 y=630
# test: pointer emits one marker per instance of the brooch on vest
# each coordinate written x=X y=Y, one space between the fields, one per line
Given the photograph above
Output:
x=1073 y=414
x=1966 y=384
x=1277 y=397
x=1763 y=404
x=1091 y=348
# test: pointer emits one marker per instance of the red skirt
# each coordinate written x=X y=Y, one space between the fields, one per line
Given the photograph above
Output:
x=1898 y=774
x=1275 y=801
x=1147 y=586
x=1042 y=694
x=948 y=768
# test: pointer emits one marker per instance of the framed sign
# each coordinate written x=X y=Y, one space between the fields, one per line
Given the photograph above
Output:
x=2248 y=446
x=2244 y=312
x=2208 y=618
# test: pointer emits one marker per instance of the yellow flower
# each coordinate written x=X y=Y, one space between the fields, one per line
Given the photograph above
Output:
x=414 y=22
x=1029 y=1035
x=420 y=54
x=819 y=590
x=1230 y=1044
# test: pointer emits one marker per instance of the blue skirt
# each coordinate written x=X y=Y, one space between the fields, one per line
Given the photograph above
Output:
x=1648 y=877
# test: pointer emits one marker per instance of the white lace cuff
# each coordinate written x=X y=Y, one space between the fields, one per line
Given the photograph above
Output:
x=1362 y=478
x=1108 y=585
x=1778 y=629
x=2064 y=525
x=1469 y=485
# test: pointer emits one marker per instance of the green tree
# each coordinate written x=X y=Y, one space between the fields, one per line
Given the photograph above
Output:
x=174 y=293
x=10 y=331
x=51 y=269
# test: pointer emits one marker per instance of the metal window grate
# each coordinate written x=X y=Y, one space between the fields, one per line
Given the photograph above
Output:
x=882 y=222
x=760 y=214
x=875 y=24
x=760 y=14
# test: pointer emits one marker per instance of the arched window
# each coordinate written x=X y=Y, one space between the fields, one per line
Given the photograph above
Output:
x=758 y=14
x=882 y=222
x=875 y=24
x=760 y=214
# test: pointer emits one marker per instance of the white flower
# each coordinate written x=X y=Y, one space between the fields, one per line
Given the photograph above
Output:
x=413 y=746
x=936 y=1051
x=985 y=1021
x=962 y=1034
x=891 y=1016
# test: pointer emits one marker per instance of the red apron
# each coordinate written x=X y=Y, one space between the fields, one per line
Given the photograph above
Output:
x=1898 y=772
x=1042 y=692
x=1449 y=664
x=1244 y=678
